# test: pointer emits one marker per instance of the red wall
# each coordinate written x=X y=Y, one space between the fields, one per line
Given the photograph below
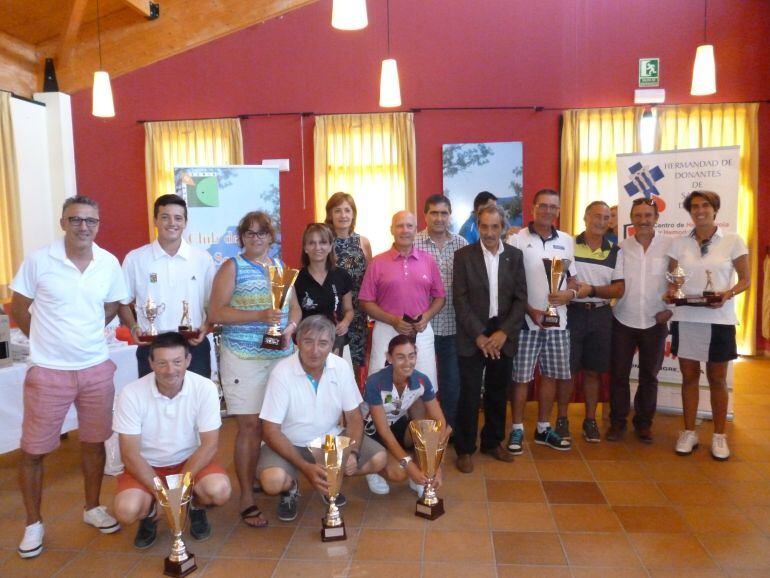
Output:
x=451 y=53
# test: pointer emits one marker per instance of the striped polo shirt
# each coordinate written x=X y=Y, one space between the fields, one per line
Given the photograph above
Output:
x=595 y=267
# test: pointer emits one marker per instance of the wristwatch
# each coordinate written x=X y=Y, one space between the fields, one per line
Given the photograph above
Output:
x=403 y=462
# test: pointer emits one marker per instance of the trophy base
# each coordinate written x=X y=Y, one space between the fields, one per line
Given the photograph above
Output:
x=698 y=300
x=146 y=338
x=178 y=569
x=332 y=533
x=184 y=328
x=550 y=320
x=270 y=341
x=429 y=512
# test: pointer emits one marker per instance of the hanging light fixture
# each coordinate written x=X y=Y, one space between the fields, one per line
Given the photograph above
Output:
x=349 y=14
x=704 y=74
x=390 y=87
x=102 y=104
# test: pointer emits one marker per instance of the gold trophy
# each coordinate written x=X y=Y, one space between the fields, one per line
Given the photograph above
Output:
x=281 y=282
x=174 y=499
x=429 y=444
x=185 y=324
x=332 y=453
x=151 y=310
x=555 y=272
x=678 y=277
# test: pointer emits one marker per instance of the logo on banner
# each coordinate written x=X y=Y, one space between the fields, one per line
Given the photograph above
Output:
x=643 y=180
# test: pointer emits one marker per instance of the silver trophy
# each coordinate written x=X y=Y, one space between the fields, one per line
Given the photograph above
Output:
x=151 y=310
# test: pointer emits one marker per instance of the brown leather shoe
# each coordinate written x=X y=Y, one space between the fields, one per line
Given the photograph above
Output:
x=615 y=433
x=464 y=463
x=644 y=434
x=498 y=453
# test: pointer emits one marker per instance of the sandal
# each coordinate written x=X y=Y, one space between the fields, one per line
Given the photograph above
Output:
x=251 y=513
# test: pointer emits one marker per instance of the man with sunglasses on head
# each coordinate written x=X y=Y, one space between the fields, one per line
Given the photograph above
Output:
x=170 y=271
x=63 y=296
x=640 y=321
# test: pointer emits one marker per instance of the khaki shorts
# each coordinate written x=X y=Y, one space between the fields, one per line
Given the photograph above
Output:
x=244 y=382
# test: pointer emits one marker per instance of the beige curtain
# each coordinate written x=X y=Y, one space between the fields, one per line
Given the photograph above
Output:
x=590 y=140
x=169 y=144
x=372 y=157
x=10 y=215
x=714 y=125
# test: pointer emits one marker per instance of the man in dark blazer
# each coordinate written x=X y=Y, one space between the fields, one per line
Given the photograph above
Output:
x=490 y=297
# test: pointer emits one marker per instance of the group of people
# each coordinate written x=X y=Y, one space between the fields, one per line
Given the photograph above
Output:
x=451 y=319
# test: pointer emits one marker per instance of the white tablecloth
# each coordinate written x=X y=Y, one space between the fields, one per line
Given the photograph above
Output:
x=12 y=400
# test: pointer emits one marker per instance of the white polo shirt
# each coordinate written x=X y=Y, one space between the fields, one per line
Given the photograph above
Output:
x=169 y=428
x=535 y=249
x=303 y=413
x=187 y=276
x=67 y=327
x=723 y=249
x=644 y=273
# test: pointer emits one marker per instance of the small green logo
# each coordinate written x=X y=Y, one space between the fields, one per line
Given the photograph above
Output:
x=649 y=72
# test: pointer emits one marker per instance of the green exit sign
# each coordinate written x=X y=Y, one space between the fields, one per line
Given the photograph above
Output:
x=649 y=72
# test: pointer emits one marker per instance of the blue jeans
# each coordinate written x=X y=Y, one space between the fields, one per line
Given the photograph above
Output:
x=445 y=347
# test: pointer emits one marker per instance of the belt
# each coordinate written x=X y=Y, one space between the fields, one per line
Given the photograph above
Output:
x=588 y=304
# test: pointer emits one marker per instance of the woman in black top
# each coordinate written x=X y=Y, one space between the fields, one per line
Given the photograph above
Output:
x=321 y=287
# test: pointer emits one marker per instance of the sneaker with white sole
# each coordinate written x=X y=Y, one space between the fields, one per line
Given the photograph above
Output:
x=101 y=520
x=418 y=489
x=377 y=484
x=553 y=440
x=32 y=543
x=719 y=449
x=516 y=442
x=687 y=442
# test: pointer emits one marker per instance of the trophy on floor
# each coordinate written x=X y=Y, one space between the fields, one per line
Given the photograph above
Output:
x=555 y=272
x=151 y=310
x=174 y=496
x=332 y=453
x=281 y=282
x=678 y=277
x=429 y=444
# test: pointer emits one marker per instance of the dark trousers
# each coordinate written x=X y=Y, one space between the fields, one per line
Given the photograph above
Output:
x=445 y=347
x=651 y=343
x=496 y=374
x=201 y=359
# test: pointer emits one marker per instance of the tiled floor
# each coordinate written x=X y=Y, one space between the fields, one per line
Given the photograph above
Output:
x=622 y=509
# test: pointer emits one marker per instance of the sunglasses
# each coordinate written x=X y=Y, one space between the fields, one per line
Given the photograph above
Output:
x=650 y=202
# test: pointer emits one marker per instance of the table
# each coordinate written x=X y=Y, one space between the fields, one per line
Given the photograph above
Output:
x=12 y=395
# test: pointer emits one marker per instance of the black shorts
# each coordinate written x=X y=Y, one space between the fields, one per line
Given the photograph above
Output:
x=398 y=429
x=590 y=333
x=709 y=342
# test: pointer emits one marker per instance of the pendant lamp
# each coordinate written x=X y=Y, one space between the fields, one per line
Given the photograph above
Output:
x=102 y=103
x=704 y=74
x=349 y=14
x=390 y=87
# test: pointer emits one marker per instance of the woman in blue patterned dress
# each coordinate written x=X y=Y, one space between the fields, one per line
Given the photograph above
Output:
x=353 y=254
x=241 y=302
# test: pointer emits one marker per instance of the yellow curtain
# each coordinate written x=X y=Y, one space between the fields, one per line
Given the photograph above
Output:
x=372 y=157
x=714 y=125
x=169 y=144
x=590 y=140
x=10 y=219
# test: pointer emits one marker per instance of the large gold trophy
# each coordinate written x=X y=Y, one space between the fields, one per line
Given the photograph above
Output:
x=174 y=496
x=332 y=454
x=281 y=282
x=555 y=272
x=429 y=444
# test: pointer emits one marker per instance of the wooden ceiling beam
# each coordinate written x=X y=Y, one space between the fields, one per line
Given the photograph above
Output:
x=142 y=6
x=70 y=35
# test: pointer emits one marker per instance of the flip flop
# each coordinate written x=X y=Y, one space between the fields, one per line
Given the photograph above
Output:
x=253 y=512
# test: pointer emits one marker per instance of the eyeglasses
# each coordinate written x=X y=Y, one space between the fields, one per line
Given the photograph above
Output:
x=261 y=234
x=547 y=207
x=650 y=202
x=78 y=221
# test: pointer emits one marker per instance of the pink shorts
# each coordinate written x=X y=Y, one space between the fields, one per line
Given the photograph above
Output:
x=48 y=394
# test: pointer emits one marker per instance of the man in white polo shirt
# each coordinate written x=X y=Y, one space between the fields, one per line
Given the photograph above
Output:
x=168 y=423
x=63 y=296
x=307 y=393
x=171 y=271
x=547 y=346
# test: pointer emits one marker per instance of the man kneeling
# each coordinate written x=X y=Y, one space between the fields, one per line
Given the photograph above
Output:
x=307 y=393
x=168 y=423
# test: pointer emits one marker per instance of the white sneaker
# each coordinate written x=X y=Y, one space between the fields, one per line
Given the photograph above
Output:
x=32 y=543
x=377 y=484
x=719 y=449
x=418 y=489
x=101 y=520
x=687 y=442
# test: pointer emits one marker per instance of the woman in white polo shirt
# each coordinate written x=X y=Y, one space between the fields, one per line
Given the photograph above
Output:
x=711 y=259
